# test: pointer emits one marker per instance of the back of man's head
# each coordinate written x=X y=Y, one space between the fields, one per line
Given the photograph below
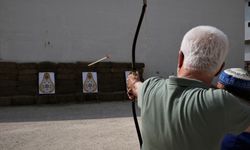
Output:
x=204 y=48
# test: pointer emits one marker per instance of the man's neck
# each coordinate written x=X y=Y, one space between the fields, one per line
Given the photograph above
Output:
x=197 y=75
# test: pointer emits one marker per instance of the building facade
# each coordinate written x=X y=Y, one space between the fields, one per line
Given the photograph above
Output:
x=86 y=30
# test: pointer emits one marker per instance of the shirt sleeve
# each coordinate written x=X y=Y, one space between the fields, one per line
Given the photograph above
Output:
x=225 y=112
x=237 y=114
x=145 y=89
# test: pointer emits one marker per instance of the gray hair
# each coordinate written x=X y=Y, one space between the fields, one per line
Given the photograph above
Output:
x=205 y=49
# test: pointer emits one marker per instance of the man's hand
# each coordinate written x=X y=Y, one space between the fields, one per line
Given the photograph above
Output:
x=132 y=85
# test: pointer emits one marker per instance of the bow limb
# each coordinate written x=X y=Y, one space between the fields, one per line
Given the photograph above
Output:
x=134 y=68
x=137 y=33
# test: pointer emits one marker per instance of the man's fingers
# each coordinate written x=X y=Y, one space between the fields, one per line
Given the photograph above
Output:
x=134 y=73
x=133 y=77
x=130 y=94
x=131 y=97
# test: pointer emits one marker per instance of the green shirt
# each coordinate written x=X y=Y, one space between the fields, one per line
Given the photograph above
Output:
x=185 y=114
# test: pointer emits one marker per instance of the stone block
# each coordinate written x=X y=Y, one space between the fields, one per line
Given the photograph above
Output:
x=8 y=91
x=66 y=89
x=46 y=67
x=46 y=99
x=28 y=72
x=27 y=90
x=8 y=83
x=27 y=66
x=121 y=65
x=80 y=97
x=60 y=76
x=111 y=96
x=23 y=100
x=91 y=97
x=66 y=98
x=5 y=101
x=11 y=65
x=7 y=70
x=83 y=67
x=28 y=77
x=7 y=76
x=66 y=65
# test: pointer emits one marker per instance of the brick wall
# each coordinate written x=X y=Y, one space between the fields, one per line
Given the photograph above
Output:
x=19 y=82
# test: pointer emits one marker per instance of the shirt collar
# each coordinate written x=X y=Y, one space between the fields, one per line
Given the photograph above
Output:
x=186 y=82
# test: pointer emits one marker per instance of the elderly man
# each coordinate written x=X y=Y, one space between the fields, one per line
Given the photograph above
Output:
x=183 y=112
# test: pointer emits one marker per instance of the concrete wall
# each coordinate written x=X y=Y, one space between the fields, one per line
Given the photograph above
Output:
x=247 y=30
x=247 y=52
x=247 y=19
x=84 y=30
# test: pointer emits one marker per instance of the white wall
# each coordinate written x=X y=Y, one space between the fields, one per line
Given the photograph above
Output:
x=247 y=54
x=247 y=30
x=247 y=19
x=85 y=30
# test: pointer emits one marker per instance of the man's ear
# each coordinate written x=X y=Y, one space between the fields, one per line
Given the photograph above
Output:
x=218 y=72
x=180 y=59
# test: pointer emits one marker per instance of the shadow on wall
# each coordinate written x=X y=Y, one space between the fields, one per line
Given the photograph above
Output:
x=65 y=112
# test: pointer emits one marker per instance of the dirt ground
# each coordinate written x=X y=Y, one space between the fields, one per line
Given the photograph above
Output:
x=99 y=126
